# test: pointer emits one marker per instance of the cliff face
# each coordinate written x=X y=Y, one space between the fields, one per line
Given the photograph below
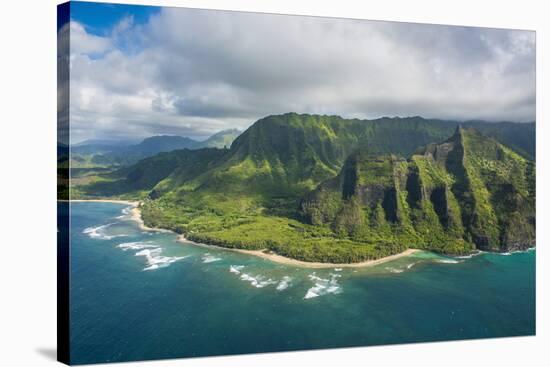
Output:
x=469 y=191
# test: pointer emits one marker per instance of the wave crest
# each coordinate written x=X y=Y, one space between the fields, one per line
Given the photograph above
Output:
x=207 y=258
x=98 y=232
x=155 y=260
x=323 y=286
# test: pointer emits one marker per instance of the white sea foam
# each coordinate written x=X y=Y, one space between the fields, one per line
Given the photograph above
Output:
x=284 y=283
x=516 y=251
x=323 y=286
x=149 y=252
x=136 y=245
x=411 y=265
x=99 y=232
x=469 y=256
x=207 y=258
x=448 y=261
x=125 y=213
x=258 y=281
x=155 y=260
x=236 y=268
x=393 y=270
x=337 y=269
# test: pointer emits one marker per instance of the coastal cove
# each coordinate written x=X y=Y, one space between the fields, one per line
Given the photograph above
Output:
x=124 y=273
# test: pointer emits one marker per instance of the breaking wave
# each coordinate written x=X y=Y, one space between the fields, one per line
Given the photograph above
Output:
x=323 y=286
x=284 y=283
x=236 y=268
x=394 y=270
x=125 y=213
x=136 y=245
x=508 y=253
x=155 y=260
x=98 y=232
x=207 y=258
x=258 y=281
x=449 y=261
x=469 y=256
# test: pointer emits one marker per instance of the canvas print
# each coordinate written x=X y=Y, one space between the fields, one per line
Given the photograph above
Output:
x=233 y=182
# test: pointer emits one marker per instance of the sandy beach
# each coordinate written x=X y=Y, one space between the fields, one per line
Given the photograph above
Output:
x=127 y=202
x=306 y=264
x=136 y=216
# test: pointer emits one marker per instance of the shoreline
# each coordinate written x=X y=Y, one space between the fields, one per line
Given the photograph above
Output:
x=113 y=201
x=135 y=215
x=135 y=212
x=304 y=264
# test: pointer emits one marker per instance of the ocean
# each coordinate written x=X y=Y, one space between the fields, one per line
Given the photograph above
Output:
x=138 y=295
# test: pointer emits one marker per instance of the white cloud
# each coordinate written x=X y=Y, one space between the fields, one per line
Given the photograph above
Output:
x=84 y=42
x=194 y=72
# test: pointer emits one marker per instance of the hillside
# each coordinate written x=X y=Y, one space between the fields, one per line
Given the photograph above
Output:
x=287 y=185
x=469 y=190
x=280 y=158
x=139 y=179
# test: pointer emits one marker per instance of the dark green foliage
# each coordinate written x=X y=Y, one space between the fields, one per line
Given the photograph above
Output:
x=323 y=188
x=469 y=190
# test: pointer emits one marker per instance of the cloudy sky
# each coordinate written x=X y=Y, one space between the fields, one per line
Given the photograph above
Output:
x=141 y=71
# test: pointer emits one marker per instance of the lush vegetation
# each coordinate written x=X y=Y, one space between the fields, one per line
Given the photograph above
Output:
x=323 y=188
x=469 y=191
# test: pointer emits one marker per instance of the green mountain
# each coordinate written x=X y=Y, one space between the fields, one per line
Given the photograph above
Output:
x=221 y=139
x=324 y=188
x=96 y=153
x=140 y=178
x=285 y=156
x=469 y=190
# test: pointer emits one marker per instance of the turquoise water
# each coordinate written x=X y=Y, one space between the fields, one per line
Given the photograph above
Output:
x=139 y=295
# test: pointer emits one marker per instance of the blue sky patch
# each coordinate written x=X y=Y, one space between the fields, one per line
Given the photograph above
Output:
x=99 y=18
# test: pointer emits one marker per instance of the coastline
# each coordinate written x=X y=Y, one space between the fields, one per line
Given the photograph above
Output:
x=135 y=212
x=135 y=215
x=304 y=264
x=126 y=202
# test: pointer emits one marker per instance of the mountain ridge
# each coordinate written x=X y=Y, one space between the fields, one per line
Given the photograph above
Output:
x=254 y=195
x=446 y=193
x=104 y=154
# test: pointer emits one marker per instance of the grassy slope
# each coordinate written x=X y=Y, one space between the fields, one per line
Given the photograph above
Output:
x=250 y=196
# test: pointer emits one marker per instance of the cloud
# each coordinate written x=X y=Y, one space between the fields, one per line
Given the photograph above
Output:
x=194 y=72
x=84 y=42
